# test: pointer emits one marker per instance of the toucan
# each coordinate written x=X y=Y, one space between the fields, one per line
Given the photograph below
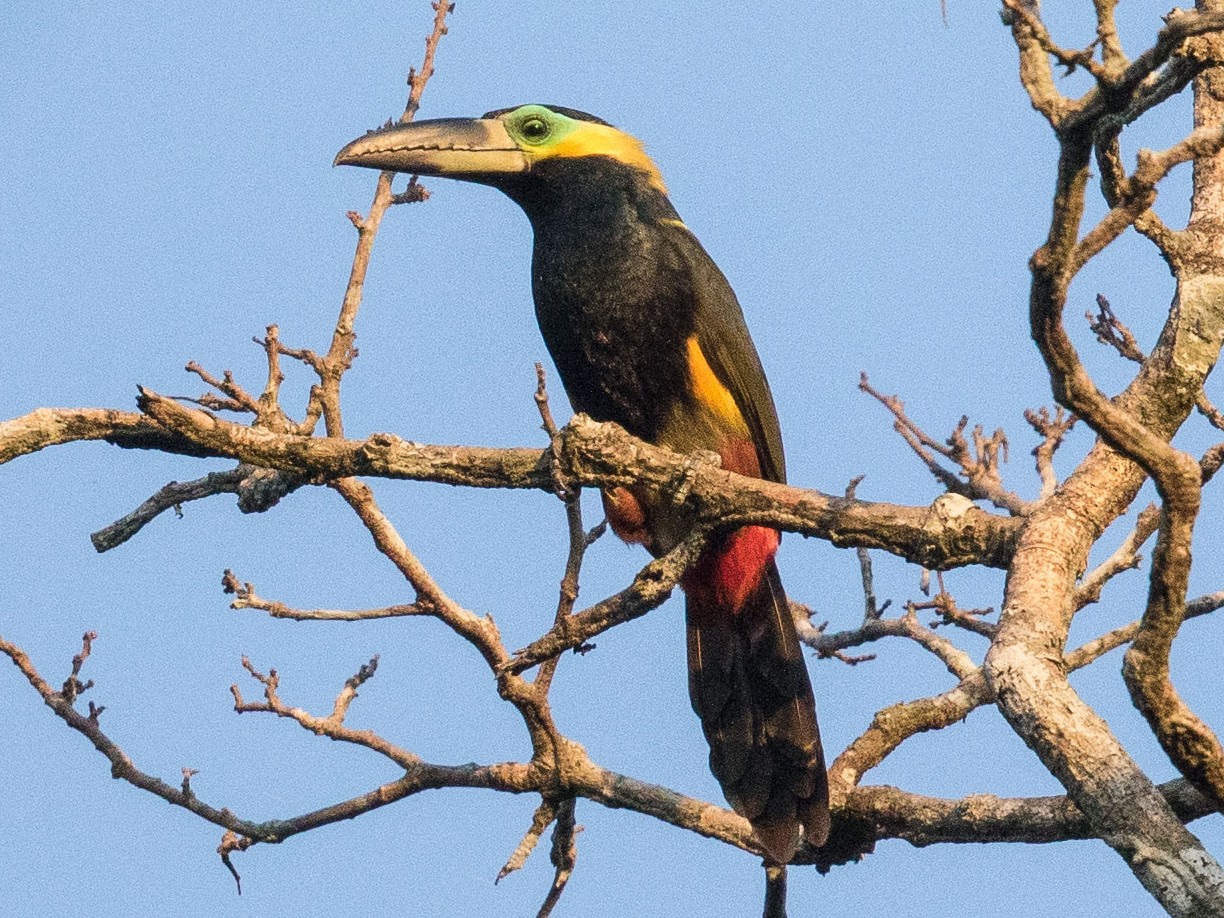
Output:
x=645 y=331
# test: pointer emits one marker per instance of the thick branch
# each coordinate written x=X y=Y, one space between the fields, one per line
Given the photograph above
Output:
x=984 y=818
x=603 y=455
x=45 y=427
x=1023 y=664
x=1189 y=742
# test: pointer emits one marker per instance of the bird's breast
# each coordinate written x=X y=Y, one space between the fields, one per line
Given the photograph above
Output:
x=615 y=318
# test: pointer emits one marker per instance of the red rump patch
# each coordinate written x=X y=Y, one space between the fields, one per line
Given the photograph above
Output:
x=725 y=575
x=728 y=572
x=626 y=516
x=740 y=456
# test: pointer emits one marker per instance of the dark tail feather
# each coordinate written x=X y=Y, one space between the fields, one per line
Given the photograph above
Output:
x=750 y=687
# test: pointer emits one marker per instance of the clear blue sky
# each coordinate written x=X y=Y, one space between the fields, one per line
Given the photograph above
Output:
x=871 y=181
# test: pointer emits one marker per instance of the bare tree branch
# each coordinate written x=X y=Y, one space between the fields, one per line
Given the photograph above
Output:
x=603 y=455
x=979 y=466
x=1032 y=692
x=245 y=597
x=1044 y=545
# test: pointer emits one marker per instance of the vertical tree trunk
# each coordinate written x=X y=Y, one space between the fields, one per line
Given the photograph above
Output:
x=1025 y=663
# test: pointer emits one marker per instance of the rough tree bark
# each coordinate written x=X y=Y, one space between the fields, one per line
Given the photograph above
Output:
x=1025 y=663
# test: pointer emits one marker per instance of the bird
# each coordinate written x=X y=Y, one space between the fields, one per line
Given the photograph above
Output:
x=645 y=331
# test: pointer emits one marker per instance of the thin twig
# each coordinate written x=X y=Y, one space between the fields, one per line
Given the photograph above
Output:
x=579 y=539
x=871 y=610
x=979 y=465
x=245 y=597
x=1124 y=558
x=342 y=351
x=651 y=587
x=1052 y=430
x=959 y=663
x=541 y=819
x=564 y=854
x=331 y=726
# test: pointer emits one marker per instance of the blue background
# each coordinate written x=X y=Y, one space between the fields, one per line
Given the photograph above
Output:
x=870 y=179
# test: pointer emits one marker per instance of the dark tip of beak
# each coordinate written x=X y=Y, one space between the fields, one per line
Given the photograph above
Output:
x=348 y=154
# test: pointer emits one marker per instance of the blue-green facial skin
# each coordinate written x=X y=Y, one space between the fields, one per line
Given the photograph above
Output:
x=537 y=127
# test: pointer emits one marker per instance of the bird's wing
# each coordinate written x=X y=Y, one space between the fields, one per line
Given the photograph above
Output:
x=726 y=345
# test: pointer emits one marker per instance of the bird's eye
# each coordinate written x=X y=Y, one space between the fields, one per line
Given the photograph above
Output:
x=535 y=129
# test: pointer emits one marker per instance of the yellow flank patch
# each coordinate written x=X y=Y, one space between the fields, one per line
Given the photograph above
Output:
x=590 y=139
x=710 y=391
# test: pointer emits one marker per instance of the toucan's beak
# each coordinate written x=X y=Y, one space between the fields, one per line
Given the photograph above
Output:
x=464 y=148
